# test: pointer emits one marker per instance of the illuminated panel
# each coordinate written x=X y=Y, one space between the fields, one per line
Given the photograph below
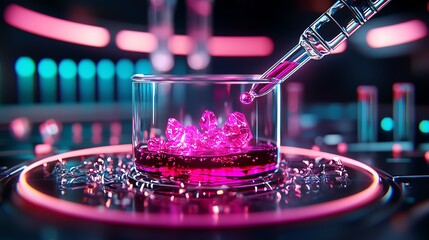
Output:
x=240 y=46
x=47 y=70
x=180 y=45
x=124 y=71
x=25 y=69
x=106 y=77
x=58 y=29
x=67 y=71
x=136 y=41
x=86 y=70
x=396 y=34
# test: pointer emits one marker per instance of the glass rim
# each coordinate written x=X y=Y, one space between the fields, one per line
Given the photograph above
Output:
x=199 y=78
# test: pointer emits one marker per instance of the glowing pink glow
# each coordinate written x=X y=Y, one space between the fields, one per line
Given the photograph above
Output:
x=340 y=49
x=127 y=40
x=20 y=127
x=342 y=147
x=396 y=34
x=40 y=200
x=136 y=41
x=181 y=45
x=426 y=154
x=77 y=130
x=58 y=29
x=240 y=46
x=396 y=150
x=42 y=149
x=97 y=133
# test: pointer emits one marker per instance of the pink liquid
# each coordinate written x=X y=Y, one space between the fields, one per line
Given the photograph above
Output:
x=207 y=169
x=277 y=75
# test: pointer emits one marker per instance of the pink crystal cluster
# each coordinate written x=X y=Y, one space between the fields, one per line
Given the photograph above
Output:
x=189 y=140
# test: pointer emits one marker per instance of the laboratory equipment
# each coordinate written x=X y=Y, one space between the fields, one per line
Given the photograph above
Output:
x=323 y=36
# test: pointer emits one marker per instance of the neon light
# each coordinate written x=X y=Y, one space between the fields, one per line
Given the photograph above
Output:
x=424 y=126
x=47 y=69
x=55 y=28
x=68 y=71
x=67 y=68
x=86 y=70
x=106 y=74
x=124 y=70
x=180 y=45
x=25 y=67
x=386 y=124
x=396 y=34
x=240 y=46
x=135 y=41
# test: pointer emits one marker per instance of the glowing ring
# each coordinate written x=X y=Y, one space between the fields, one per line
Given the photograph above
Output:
x=360 y=199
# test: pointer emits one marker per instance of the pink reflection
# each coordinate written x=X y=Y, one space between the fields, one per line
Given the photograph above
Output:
x=50 y=130
x=97 y=133
x=115 y=133
x=20 y=127
x=396 y=34
x=55 y=28
x=42 y=149
x=136 y=41
x=77 y=130
x=342 y=147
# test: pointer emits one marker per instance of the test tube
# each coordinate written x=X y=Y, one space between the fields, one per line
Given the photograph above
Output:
x=367 y=113
x=403 y=112
x=200 y=31
x=161 y=14
x=294 y=93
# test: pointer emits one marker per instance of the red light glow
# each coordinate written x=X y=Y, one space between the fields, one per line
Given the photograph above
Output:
x=396 y=34
x=55 y=28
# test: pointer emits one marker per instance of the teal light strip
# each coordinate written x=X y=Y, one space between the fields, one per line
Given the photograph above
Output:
x=68 y=87
x=25 y=69
x=47 y=69
x=86 y=70
x=124 y=71
x=106 y=78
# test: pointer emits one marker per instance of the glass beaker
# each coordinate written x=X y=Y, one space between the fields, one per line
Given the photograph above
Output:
x=193 y=129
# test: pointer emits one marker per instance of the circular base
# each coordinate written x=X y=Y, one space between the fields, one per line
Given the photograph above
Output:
x=100 y=184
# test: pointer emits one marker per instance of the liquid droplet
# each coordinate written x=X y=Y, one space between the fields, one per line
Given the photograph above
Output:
x=246 y=98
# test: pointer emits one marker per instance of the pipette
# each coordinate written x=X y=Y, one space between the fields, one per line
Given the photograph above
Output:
x=323 y=36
